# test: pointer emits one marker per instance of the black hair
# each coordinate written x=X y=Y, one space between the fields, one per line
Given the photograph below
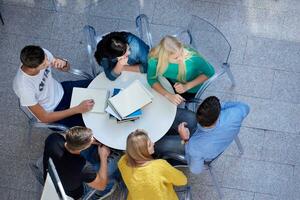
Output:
x=208 y=111
x=32 y=56
x=111 y=46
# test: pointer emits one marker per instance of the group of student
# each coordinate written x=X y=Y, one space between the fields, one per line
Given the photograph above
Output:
x=83 y=163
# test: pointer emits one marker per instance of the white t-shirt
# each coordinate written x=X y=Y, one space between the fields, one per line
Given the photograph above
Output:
x=40 y=89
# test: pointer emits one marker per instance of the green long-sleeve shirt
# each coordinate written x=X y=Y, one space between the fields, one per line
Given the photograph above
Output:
x=195 y=66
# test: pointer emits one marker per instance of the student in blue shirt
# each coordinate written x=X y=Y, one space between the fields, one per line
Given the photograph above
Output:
x=217 y=127
x=122 y=51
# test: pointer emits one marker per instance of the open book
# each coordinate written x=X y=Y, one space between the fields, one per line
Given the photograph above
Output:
x=130 y=99
x=98 y=95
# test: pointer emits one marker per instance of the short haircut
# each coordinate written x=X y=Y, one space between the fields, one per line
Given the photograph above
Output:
x=137 y=148
x=111 y=46
x=78 y=138
x=32 y=56
x=208 y=111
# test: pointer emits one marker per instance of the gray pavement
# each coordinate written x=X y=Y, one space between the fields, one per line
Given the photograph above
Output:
x=265 y=36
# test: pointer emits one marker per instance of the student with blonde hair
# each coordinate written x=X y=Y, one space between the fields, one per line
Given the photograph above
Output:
x=145 y=177
x=185 y=68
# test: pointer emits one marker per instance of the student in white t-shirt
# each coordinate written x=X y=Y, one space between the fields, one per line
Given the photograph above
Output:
x=45 y=97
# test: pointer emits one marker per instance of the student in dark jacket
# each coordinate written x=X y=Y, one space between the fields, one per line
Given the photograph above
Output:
x=122 y=51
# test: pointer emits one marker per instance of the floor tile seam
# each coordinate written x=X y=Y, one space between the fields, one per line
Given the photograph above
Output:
x=254 y=97
x=265 y=194
x=279 y=40
x=258 y=8
x=245 y=49
x=113 y=17
x=28 y=7
x=240 y=65
x=27 y=35
x=154 y=9
x=229 y=92
x=262 y=66
x=243 y=95
x=261 y=160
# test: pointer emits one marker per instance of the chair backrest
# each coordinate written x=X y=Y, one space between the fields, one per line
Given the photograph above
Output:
x=53 y=189
x=207 y=39
x=27 y=112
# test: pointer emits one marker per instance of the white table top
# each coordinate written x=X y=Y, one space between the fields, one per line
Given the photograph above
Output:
x=156 y=119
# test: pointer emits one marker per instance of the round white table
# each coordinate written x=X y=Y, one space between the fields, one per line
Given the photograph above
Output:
x=156 y=119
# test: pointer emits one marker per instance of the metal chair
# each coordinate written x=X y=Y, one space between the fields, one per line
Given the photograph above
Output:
x=205 y=38
x=37 y=169
x=34 y=122
x=208 y=163
x=92 y=40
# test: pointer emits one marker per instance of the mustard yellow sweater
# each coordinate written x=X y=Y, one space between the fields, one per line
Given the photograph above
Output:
x=153 y=181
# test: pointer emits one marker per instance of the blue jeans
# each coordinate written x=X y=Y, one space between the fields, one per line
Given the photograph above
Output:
x=91 y=155
x=75 y=120
x=183 y=115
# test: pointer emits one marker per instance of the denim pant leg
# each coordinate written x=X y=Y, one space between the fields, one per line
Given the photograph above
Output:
x=183 y=115
x=91 y=155
x=75 y=120
x=169 y=143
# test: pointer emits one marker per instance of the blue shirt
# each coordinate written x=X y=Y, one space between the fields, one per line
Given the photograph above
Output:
x=208 y=143
x=138 y=55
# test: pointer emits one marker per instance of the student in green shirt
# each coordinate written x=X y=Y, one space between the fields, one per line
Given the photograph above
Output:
x=185 y=68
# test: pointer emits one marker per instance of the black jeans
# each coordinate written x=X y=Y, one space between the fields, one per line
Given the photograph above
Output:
x=74 y=120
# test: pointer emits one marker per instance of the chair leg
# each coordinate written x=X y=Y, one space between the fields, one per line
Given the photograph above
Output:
x=1 y=19
x=226 y=66
x=54 y=5
x=90 y=34
x=213 y=176
x=239 y=145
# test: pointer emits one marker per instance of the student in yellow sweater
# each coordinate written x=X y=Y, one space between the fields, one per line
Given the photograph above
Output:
x=145 y=177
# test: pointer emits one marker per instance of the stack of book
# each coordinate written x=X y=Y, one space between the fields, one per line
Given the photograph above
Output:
x=126 y=104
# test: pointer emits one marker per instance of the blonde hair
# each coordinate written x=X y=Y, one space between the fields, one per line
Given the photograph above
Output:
x=167 y=46
x=137 y=148
x=78 y=138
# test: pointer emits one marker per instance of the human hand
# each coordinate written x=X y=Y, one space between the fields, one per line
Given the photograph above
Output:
x=175 y=98
x=59 y=63
x=103 y=152
x=183 y=131
x=180 y=88
x=85 y=106
x=123 y=60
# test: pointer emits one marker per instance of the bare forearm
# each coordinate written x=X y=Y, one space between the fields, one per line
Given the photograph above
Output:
x=118 y=68
x=159 y=88
x=58 y=115
x=200 y=79
x=103 y=172
x=132 y=68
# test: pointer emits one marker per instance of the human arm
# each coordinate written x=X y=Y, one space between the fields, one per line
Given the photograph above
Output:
x=182 y=88
x=60 y=64
x=48 y=117
x=199 y=66
x=184 y=132
x=154 y=83
x=101 y=179
x=132 y=68
x=173 y=175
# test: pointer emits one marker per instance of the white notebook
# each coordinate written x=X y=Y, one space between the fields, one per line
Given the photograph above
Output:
x=98 y=95
x=130 y=99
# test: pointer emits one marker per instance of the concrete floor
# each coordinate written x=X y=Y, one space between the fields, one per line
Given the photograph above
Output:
x=265 y=37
